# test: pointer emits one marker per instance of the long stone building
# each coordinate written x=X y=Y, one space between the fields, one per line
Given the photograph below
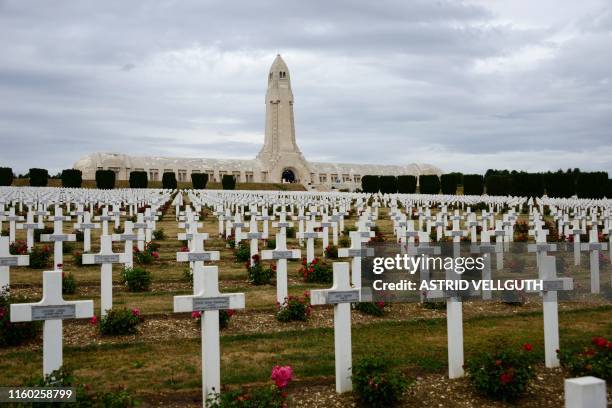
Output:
x=279 y=160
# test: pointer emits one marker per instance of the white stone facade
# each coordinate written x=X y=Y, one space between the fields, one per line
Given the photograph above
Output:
x=279 y=159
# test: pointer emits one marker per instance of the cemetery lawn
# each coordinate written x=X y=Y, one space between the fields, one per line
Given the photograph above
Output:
x=162 y=364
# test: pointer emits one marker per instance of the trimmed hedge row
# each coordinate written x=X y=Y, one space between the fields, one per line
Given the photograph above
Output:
x=169 y=181
x=228 y=182
x=39 y=177
x=429 y=184
x=105 y=179
x=72 y=178
x=199 y=180
x=406 y=184
x=139 y=179
x=473 y=184
x=6 y=176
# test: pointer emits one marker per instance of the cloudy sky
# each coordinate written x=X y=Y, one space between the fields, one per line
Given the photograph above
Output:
x=464 y=85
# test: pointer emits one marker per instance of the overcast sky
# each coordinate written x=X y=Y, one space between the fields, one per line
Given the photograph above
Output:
x=466 y=86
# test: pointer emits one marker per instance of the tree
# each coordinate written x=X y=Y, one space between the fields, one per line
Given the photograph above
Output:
x=406 y=184
x=39 y=177
x=429 y=184
x=592 y=185
x=199 y=180
x=448 y=182
x=560 y=184
x=72 y=178
x=370 y=184
x=388 y=184
x=169 y=181
x=105 y=179
x=228 y=182
x=139 y=179
x=6 y=176
x=473 y=184
x=499 y=185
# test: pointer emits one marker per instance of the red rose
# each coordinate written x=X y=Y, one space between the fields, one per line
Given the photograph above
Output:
x=498 y=363
x=600 y=341
x=527 y=347
x=505 y=378
x=93 y=320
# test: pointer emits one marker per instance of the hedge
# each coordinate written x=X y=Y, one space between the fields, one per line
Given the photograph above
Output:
x=139 y=179
x=560 y=184
x=498 y=185
x=39 y=177
x=199 y=180
x=370 y=184
x=592 y=185
x=448 y=183
x=527 y=184
x=473 y=184
x=72 y=178
x=429 y=184
x=169 y=181
x=105 y=179
x=388 y=184
x=6 y=176
x=406 y=184
x=228 y=182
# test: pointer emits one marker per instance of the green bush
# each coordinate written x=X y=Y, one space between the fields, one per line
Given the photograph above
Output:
x=502 y=374
x=264 y=397
x=68 y=284
x=448 y=183
x=294 y=309
x=38 y=177
x=159 y=234
x=139 y=179
x=258 y=273
x=376 y=383
x=388 y=184
x=14 y=334
x=370 y=184
x=271 y=243
x=331 y=252
x=406 y=184
x=242 y=252
x=224 y=317
x=105 y=179
x=6 y=176
x=316 y=271
x=199 y=180
x=120 y=321
x=473 y=184
x=169 y=181
x=593 y=360
x=72 y=178
x=40 y=257
x=370 y=308
x=228 y=182
x=429 y=184
x=290 y=232
x=136 y=279
x=499 y=185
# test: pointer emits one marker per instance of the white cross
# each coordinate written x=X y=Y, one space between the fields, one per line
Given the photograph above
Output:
x=341 y=295
x=281 y=254
x=52 y=309
x=128 y=237
x=576 y=231
x=150 y=219
x=550 y=285
x=12 y=219
x=310 y=235
x=265 y=218
x=30 y=226
x=58 y=237
x=7 y=260
x=282 y=222
x=142 y=228
x=208 y=300
x=105 y=218
x=197 y=255
x=487 y=249
x=585 y=392
x=254 y=236
x=106 y=257
x=499 y=233
x=594 y=246
x=356 y=252
x=86 y=226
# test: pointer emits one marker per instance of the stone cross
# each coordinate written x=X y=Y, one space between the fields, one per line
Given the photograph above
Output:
x=208 y=300
x=594 y=246
x=237 y=224
x=58 y=237
x=30 y=226
x=282 y=222
x=106 y=257
x=254 y=236
x=104 y=218
x=355 y=252
x=585 y=392
x=7 y=260
x=197 y=255
x=281 y=254
x=142 y=228
x=426 y=250
x=487 y=249
x=52 y=309
x=265 y=218
x=499 y=233
x=576 y=231
x=150 y=219
x=12 y=219
x=341 y=295
x=310 y=235
x=550 y=285
x=128 y=236
x=86 y=226
x=301 y=218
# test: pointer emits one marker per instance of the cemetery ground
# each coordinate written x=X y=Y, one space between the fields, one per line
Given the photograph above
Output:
x=161 y=365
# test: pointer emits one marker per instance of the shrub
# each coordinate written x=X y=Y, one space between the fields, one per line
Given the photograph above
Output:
x=290 y=232
x=146 y=257
x=473 y=184
x=136 y=279
x=316 y=271
x=120 y=322
x=105 y=179
x=159 y=234
x=370 y=184
x=271 y=243
x=14 y=334
x=370 y=308
x=38 y=177
x=258 y=273
x=68 y=284
x=39 y=232
x=40 y=257
x=169 y=181
x=199 y=180
x=228 y=182
x=448 y=183
x=242 y=252
x=429 y=184
x=594 y=360
x=224 y=317
x=331 y=252
x=72 y=178
x=77 y=258
x=294 y=309
x=6 y=176
x=139 y=179
x=502 y=374
x=264 y=397
x=376 y=383
x=406 y=184
x=388 y=184
x=67 y=248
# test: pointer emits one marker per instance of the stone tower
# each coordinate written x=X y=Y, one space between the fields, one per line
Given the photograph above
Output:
x=280 y=155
